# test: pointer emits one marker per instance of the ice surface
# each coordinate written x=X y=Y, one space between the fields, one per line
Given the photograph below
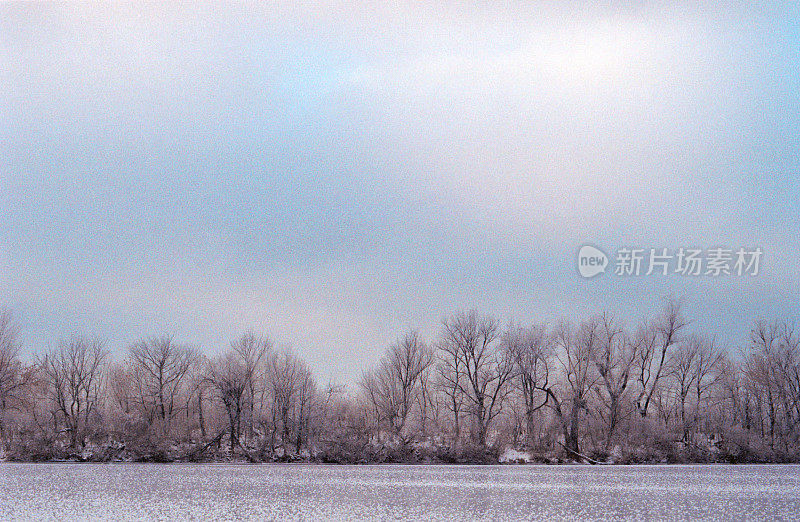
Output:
x=432 y=492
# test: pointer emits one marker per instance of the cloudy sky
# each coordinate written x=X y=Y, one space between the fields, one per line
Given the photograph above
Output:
x=334 y=174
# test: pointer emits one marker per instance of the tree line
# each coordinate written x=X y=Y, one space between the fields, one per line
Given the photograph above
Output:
x=597 y=390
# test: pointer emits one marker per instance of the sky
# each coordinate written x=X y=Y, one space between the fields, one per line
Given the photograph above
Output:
x=334 y=174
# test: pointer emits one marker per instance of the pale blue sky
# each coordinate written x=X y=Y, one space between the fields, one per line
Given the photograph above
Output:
x=334 y=174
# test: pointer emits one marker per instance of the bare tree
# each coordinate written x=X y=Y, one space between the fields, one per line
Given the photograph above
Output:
x=395 y=385
x=708 y=372
x=14 y=378
x=198 y=389
x=427 y=400
x=304 y=406
x=772 y=372
x=684 y=363
x=160 y=366
x=787 y=363
x=483 y=368
x=531 y=349
x=449 y=384
x=655 y=340
x=575 y=348
x=121 y=388
x=233 y=375
x=292 y=392
x=733 y=410
x=760 y=372
x=613 y=360
x=74 y=372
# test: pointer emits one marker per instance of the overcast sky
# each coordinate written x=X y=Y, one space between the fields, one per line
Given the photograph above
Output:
x=332 y=175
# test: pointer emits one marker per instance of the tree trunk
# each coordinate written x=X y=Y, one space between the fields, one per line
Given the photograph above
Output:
x=200 y=417
x=456 y=426
x=612 y=419
x=286 y=435
x=530 y=427
x=574 y=425
x=299 y=440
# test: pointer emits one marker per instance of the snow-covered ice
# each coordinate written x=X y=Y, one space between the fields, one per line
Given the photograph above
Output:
x=427 y=492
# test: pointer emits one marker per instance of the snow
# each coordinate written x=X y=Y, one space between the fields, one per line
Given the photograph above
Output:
x=512 y=455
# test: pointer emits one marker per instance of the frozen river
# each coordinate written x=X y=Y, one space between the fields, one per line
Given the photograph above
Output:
x=326 y=492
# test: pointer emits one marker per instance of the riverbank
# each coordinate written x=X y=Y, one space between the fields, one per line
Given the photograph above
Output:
x=206 y=453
